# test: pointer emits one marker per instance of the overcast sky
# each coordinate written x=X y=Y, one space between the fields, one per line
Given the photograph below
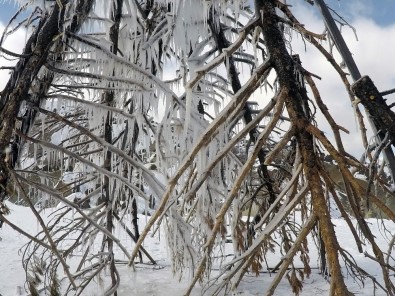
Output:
x=374 y=22
x=373 y=52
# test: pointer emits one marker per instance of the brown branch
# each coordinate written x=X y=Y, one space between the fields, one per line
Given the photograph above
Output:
x=21 y=231
x=236 y=186
x=324 y=109
x=295 y=102
x=46 y=231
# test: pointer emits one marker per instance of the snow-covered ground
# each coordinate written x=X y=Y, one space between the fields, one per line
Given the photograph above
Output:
x=159 y=280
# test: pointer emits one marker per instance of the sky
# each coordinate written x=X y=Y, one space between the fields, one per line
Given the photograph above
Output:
x=7 y=10
x=372 y=47
x=381 y=11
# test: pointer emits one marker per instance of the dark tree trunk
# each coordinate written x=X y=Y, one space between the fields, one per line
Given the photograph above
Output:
x=295 y=100
x=17 y=90
x=223 y=43
x=108 y=100
x=375 y=104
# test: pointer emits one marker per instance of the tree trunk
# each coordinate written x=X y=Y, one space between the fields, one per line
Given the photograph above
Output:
x=23 y=80
x=108 y=100
x=375 y=104
x=222 y=43
x=295 y=100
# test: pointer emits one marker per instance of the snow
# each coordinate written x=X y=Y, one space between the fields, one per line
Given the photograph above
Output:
x=159 y=280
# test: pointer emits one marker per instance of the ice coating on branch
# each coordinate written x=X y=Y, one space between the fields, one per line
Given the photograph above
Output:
x=152 y=125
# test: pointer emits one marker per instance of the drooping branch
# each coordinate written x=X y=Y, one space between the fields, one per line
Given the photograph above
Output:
x=85 y=161
x=235 y=105
x=47 y=234
x=219 y=219
x=73 y=205
x=24 y=78
x=156 y=185
x=287 y=259
x=228 y=147
x=109 y=198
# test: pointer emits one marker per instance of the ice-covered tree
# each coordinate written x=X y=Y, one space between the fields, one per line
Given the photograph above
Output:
x=197 y=113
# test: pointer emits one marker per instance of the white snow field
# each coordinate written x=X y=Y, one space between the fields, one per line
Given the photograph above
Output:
x=159 y=280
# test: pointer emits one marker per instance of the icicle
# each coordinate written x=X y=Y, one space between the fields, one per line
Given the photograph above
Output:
x=188 y=110
x=354 y=107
